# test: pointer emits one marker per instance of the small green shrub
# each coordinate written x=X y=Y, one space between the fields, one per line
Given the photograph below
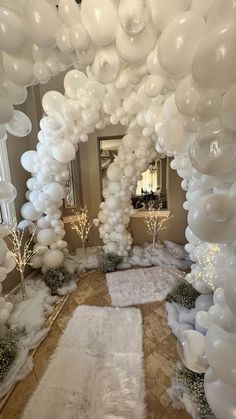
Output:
x=56 y=278
x=183 y=294
x=193 y=384
x=8 y=352
x=109 y=262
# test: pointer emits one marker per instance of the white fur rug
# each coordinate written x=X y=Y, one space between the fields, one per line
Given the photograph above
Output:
x=140 y=286
x=97 y=369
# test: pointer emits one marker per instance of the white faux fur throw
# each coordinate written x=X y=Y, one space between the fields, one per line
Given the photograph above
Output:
x=96 y=371
x=141 y=286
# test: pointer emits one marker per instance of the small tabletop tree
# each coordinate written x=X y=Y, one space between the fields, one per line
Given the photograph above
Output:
x=155 y=224
x=20 y=250
x=82 y=224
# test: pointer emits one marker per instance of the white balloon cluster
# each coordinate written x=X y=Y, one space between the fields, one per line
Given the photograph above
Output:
x=165 y=69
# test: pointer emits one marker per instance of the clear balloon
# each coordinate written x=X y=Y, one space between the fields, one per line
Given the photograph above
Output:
x=133 y=16
x=135 y=48
x=8 y=192
x=20 y=125
x=213 y=151
x=106 y=65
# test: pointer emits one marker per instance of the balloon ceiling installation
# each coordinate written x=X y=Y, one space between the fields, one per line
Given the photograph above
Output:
x=165 y=70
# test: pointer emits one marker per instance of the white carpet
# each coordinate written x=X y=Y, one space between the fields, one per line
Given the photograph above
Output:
x=97 y=369
x=140 y=286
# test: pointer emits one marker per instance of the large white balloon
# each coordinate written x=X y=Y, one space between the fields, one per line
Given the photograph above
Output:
x=221 y=398
x=100 y=20
x=29 y=212
x=214 y=62
x=46 y=236
x=41 y=22
x=220 y=346
x=12 y=34
x=179 y=41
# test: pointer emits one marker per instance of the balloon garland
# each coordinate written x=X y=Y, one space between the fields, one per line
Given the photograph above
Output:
x=166 y=70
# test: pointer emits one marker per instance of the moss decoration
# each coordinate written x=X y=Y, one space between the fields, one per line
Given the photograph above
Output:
x=56 y=278
x=183 y=294
x=8 y=352
x=109 y=262
x=193 y=384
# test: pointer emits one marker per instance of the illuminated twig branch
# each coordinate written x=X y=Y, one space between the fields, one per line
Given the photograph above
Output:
x=155 y=224
x=20 y=250
x=82 y=224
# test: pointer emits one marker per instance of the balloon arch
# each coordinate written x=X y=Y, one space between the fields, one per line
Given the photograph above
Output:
x=165 y=69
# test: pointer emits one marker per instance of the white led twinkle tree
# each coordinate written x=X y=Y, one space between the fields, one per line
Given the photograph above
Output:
x=175 y=97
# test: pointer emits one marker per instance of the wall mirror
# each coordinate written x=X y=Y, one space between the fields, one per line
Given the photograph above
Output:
x=151 y=191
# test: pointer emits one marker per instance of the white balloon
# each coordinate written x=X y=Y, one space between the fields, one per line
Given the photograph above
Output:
x=41 y=22
x=28 y=160
x=53 y=258
x=64 y=152
x=73 y=81
x=46 y=236
x=100 y=21
x=69 y=12
x=12 y=34
x=29 y=212
x=52 y=102
x=54 y=191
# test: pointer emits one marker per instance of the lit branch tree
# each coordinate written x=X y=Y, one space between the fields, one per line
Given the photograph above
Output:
x=20 y=251
x=155 y=224
x=82 y=224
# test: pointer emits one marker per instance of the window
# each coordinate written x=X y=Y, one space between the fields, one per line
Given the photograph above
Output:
x=7 y=211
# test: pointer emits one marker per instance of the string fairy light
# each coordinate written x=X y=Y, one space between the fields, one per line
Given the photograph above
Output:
x=81 y=224
x=206 y=258
x=155 y=224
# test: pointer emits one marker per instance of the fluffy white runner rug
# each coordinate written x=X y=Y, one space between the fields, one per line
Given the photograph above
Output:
x=96 y=371
x=140 y=286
